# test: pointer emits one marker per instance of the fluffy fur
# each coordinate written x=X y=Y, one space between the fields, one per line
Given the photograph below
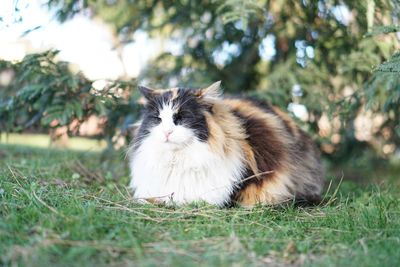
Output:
x=194 y=145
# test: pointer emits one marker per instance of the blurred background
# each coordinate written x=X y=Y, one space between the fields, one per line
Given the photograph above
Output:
x=69 y=69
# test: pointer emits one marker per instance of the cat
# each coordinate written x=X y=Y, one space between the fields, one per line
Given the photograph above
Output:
x=195 y=145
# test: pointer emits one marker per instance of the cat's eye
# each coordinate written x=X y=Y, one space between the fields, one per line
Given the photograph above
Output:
x=177 y=117
x=156 y=118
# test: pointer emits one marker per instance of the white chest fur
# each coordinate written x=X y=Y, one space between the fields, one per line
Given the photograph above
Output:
x=191 y=174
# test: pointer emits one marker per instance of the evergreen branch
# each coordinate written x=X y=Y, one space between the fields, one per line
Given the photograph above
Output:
x=377 y=30
x=391 y=65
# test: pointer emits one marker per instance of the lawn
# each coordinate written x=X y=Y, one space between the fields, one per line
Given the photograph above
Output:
x=66 y=208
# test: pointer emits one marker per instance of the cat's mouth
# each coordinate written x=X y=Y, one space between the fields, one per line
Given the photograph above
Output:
x=178 y=144
x=169 y=142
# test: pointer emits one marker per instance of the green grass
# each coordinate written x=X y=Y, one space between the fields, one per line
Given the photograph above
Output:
x=44 y=141
x=63 y=208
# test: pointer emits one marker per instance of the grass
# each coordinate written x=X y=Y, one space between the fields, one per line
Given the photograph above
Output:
x=64 y=208
x=44 y=141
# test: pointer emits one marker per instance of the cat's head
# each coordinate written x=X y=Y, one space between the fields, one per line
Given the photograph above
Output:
x=175 y=117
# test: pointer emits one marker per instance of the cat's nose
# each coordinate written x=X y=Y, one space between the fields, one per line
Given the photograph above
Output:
x=168 y=133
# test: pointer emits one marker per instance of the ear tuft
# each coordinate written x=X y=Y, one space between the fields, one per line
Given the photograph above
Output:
x=213 y=91
x=148 y=93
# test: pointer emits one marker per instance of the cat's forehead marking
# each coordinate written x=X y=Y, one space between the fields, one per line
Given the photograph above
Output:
x=174 y=98
x=170 y=96
x=173 y=91
x=166 y=95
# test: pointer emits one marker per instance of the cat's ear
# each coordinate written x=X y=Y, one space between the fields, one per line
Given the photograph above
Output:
x=148 y=93
x=213 y=91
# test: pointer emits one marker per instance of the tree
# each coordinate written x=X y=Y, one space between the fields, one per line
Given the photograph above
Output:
x=327 y=55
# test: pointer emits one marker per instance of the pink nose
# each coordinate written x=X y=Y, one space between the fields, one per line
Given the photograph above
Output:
x=168 y=133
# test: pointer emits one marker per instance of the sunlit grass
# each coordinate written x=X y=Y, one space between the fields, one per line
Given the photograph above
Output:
x=65 y=208
x=44 y=141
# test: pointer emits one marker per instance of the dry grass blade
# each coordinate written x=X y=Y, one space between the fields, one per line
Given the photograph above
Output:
x=88 y=175
x=125 y=208
x=56 y=182
x=44 y=203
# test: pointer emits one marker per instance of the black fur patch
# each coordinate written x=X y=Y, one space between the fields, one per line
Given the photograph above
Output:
x=190 y=113
x=268 y=109
x=267 y=148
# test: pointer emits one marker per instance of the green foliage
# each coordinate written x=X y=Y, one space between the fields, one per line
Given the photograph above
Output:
x=52 y=214
x=382 y=30
x=391 y=65
x=383 y=96
x=335 y=62
x=238 y=10
x=382 y=92
x=47 y=94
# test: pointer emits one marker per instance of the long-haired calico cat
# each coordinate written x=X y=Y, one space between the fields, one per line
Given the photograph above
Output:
x=195 y=145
